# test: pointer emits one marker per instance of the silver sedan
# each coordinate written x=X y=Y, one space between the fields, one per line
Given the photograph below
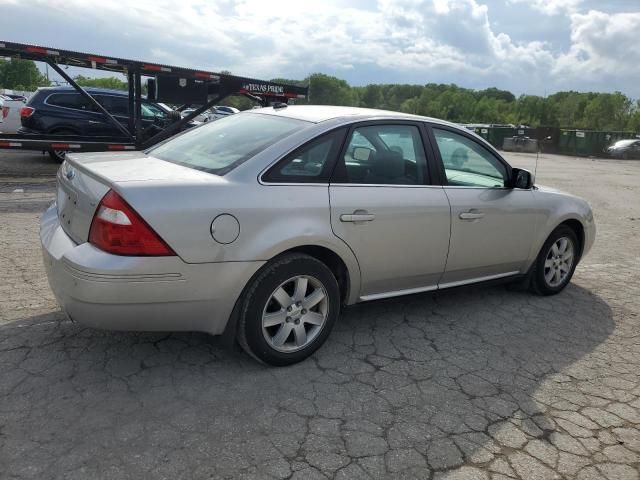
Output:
x=262 y=225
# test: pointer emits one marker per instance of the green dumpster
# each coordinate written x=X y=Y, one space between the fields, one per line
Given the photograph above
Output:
x=567 y=142
x=588 y=143
x=497 y=133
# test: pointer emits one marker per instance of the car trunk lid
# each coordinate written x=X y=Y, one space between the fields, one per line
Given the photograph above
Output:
x=84 y=179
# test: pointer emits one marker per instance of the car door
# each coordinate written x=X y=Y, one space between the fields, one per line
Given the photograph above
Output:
x=492 y=225
x=118 y=107
x=384 y=207
x=72 y=112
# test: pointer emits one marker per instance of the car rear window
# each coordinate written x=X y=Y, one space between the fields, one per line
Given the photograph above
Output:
x=218 y=147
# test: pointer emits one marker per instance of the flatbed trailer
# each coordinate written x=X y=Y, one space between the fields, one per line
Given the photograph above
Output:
x=167 y=81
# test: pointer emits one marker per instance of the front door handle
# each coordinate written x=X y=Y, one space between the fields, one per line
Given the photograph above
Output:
x=471 y=215
x=357 y=216
x=94 y=122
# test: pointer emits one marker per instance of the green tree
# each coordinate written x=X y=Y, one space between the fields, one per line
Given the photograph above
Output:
x=103 y=82
x=371 y=96
x=328 y=90
x=607 y=111
x=585 y=110
x=21 y=75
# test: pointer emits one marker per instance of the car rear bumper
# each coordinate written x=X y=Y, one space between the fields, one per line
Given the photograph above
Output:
x=114 y=292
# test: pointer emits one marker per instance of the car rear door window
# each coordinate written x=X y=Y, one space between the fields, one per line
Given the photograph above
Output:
x=311 y=163
x=69 y=100
x=383 y=155
x=467 y=163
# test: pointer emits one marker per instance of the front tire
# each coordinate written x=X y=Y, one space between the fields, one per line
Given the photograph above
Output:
x=556 y=262
x=288 y=310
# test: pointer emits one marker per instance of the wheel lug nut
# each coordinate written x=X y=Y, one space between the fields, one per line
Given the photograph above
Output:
x=289 y=308
x=304 y=311
x=288 y=319
x=297 y=321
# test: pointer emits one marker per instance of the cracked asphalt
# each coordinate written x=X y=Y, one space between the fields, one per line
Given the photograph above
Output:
x=478 y=383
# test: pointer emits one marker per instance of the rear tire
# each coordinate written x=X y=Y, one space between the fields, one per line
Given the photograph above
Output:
x=288 y=310
x=60 y=155
x=556 y=262
x=57 y=155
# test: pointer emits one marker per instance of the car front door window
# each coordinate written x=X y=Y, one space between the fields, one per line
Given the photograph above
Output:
x=468 y=164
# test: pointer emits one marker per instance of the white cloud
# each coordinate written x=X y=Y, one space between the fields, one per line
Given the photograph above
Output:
x=603 y=46
x=447 y=40
x=552 y=7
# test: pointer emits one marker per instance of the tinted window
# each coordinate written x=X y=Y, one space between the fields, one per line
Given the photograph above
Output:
x=467 y=163
x=150 y=110
x=384 y=155
x=114 y=105
x=219 y=146
x=69 y=100
x=311 y=163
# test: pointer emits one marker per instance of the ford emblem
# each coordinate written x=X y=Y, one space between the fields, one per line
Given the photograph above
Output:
x=69 y=173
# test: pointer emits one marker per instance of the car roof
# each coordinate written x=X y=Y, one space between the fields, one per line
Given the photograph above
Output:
x=65 y=89
x=322 y=113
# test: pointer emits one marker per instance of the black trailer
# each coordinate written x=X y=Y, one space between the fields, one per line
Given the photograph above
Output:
x=166 y=83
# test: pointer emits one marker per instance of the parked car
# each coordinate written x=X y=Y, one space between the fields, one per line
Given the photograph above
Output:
x=625 y=149
x=63 y=111
x=13 y=96
x=10 y=114
x=213 y=113
x=202 y=118
x=262 y=225
x=3 y=111
x=224 y=110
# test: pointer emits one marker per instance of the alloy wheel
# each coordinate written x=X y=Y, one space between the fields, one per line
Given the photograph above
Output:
x=559 y=261
x=295 y=313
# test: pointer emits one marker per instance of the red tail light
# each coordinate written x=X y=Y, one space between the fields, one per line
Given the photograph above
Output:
x=26 y=112
x=117 y=228
x=5 y=112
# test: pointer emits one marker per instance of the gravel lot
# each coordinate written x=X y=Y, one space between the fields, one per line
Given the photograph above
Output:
x=472 y=384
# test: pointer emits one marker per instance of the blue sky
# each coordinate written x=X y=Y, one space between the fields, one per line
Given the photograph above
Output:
x=526 y=46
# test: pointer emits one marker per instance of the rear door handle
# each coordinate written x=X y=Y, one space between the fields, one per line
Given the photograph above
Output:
x=471 y=215
x=93 y=121
x=357 y=216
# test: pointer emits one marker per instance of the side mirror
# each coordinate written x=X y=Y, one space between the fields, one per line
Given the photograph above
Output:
x=521 y=178
x=361 y=154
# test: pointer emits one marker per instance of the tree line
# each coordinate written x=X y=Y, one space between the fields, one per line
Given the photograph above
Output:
x=583 y=110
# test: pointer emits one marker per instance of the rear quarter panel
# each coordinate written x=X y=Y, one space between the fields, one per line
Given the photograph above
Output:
x=272 y=218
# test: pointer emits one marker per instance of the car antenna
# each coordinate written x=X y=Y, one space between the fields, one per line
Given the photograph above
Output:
x=535 y=169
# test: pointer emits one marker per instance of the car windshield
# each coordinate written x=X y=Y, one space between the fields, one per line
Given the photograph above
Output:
x=218 y=147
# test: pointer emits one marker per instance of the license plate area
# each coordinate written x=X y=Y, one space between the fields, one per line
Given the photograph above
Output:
x=67 y=200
